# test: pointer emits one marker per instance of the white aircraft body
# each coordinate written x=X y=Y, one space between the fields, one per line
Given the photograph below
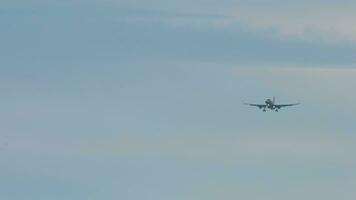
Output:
x=270 y=104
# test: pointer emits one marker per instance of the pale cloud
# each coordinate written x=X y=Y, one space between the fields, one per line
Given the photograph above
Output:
x=228 y=148
x=313 y=189
x=312 y=22
x=332 y=23
x=285 y=161
x=317 y=21
x=249 y=148
x=308 y=21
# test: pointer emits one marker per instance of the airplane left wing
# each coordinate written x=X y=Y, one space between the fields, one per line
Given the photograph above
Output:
x=285 y=105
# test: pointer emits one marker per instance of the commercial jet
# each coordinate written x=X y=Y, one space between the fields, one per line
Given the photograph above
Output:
x=270 y=104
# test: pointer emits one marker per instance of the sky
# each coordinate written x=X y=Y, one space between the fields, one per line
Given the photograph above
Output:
x=142 y=100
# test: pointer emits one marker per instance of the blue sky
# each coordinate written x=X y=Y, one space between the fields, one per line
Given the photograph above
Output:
x=143 y=100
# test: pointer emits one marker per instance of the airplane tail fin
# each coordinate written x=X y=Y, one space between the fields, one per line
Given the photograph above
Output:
x=274 y=99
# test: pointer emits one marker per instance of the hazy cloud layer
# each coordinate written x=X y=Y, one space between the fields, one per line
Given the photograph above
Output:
x=323 y=21
x=103 y=34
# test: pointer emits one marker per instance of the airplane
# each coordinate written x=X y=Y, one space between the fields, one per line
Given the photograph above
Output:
x=270 y=104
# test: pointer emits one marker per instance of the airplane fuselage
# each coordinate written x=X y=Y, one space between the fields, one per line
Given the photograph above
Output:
x=270 y=105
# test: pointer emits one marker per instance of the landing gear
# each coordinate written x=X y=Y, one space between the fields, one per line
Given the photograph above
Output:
x=264 y=110
x=276 y=110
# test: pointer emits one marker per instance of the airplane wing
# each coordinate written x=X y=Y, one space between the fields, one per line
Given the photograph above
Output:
x=285 y=105
x=256 y=105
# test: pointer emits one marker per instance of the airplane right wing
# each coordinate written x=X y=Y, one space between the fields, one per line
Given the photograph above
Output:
x=285 y=105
